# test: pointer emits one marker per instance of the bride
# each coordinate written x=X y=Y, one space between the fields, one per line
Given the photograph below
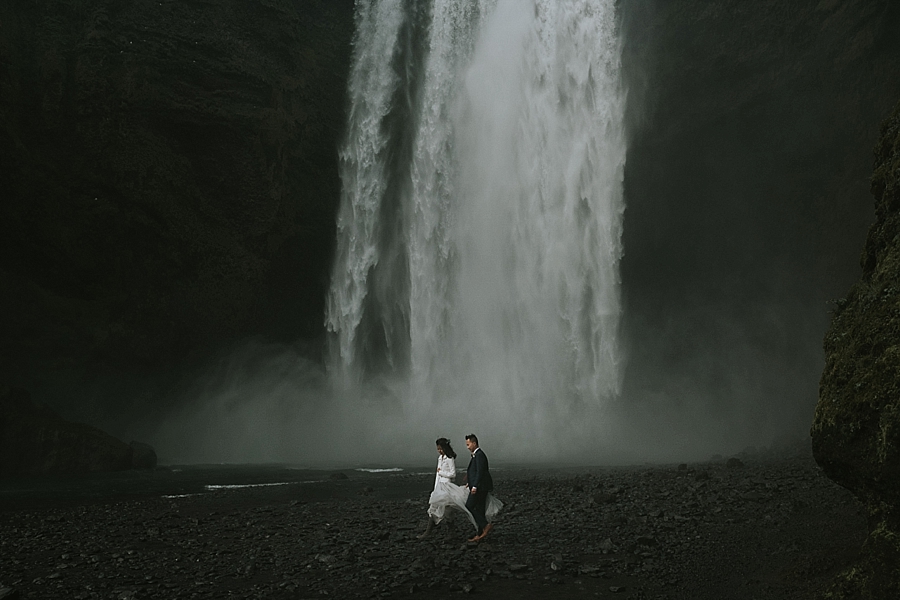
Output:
x=446 y=493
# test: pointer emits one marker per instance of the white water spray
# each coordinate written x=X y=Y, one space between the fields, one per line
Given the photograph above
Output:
x=479 y=234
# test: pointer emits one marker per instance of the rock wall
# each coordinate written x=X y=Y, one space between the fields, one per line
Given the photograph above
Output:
x=169 y=176
x=856 y=432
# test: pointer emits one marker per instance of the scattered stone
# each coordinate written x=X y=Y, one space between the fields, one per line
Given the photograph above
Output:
x=270 y=543
x=734 y=463
x=8 y=593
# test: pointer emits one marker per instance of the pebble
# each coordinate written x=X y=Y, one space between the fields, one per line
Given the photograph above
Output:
x=641 y=530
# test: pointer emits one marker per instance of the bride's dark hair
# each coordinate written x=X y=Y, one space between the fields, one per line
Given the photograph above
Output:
x=444 y=443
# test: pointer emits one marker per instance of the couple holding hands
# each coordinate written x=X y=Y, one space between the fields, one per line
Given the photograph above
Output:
x=474 y=498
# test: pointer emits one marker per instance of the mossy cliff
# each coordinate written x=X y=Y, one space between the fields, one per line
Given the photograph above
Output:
x=169 y=176
x=856 y=431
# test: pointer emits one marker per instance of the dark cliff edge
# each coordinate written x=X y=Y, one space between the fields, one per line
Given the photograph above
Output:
x=169 y=177
x=856 y=431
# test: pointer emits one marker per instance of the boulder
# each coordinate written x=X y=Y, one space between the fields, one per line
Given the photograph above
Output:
x=856 y=430
x=34 y=439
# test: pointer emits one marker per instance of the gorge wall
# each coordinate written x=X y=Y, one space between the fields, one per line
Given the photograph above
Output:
x=856 y=431
x=169 y=180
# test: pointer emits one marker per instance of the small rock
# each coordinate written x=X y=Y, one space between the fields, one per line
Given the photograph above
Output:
x=734 y=463
x=615 y=589
x=7 y=593
x=338 y=476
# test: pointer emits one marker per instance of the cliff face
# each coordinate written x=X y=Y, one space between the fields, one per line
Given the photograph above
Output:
x=169 y=176
x=856 y=432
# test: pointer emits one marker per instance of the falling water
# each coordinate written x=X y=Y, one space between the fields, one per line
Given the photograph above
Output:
x=479 y=233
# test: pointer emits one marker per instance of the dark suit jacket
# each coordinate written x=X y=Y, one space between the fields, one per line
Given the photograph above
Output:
x=478 y=475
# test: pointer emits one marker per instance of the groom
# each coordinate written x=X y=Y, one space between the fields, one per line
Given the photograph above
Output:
x=479 y=482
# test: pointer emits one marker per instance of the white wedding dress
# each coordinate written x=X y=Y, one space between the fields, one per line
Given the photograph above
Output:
x=446 y=493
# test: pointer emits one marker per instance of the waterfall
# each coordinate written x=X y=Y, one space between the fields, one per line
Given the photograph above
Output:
x=479 y=233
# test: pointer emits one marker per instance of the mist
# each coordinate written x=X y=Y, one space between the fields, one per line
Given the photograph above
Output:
x=508 y=265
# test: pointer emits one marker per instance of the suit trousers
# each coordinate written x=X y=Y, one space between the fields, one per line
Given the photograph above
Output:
x=475 y=504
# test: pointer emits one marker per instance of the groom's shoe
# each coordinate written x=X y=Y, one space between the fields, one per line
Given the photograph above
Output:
x=487 y=529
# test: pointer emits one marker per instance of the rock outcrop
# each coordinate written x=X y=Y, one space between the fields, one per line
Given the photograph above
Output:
x=34 y=440
x=856 y=432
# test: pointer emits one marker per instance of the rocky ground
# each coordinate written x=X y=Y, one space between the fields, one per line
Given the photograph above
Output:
x=762 y=527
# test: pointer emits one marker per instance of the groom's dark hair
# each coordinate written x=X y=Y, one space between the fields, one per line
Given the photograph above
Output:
x=472 y=437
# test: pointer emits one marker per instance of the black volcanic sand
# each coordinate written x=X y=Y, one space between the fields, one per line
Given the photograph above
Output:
x=772 y=528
